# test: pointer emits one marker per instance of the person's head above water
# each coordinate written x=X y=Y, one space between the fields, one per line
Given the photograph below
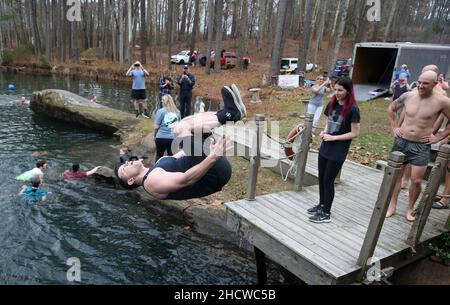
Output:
x=41 y=164
x=75 y=167
x=35 y=182
x=128 y=173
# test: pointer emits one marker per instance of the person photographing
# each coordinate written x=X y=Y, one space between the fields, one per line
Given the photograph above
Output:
x=187 y=83
x=138 y=92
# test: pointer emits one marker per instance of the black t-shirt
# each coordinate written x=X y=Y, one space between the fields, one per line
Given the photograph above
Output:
x=337 y=150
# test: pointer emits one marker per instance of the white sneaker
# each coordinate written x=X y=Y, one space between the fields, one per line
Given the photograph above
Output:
x=145 y=116
x=239 y=99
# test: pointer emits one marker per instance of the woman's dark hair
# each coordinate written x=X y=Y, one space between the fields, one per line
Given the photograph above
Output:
x=122 y=183
x=351 y=100
x=40 y=163
x=75 y=167
x=35 y=183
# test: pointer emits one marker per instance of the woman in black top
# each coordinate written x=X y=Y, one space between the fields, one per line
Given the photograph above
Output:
x=343 y=126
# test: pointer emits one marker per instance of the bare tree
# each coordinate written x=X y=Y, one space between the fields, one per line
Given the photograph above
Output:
x=143 y=34
x=243 y=32
x=304 y=43
x=391 y=18
x=218 y=27
x=195 y=26
x=210 y=34
x=340 y=33
x=278 y=41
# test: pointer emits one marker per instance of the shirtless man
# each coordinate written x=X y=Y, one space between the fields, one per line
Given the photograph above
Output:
x=415 y=136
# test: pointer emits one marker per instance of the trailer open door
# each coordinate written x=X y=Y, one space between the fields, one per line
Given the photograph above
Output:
x=372 y=72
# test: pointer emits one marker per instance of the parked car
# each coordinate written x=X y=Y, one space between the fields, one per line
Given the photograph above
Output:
x=342 y=68
x=181 y=58
x=289 y=65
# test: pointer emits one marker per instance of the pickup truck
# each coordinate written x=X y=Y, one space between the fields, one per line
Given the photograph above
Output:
x=289 y=65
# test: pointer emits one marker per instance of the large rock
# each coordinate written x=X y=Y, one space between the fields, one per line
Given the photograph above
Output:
x=69 y=107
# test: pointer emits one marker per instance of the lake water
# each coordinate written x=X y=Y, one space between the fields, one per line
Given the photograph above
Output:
x=117 y=239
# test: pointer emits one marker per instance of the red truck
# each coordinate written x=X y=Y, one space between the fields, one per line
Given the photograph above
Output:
x=227 y=61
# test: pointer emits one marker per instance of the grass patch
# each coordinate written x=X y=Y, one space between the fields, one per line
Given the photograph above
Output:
x=373 y=144
x=268 y=182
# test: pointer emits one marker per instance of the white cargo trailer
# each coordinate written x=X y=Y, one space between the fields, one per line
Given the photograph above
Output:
x=375 y=64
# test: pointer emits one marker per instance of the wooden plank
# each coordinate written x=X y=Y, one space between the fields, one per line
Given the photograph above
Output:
x=353 y=211
x=283 y=255
x=288 y=242
x=299 y=225
x=284 y=226
x=356 y=227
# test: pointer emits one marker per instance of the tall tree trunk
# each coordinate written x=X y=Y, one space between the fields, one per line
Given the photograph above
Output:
x=243 y=32
x=195 y=28
x=183 y=19
x=391 y=18
x=323 y=14
x=120 y=11
x=219 y=9
x=73 y=42
x=48 y=34
x=261 y=26
x=143 y=34
x=340 y=33
x=35 y=30
x=59 y=31
x=170 y=22
x=304 y=44
x=278 y=41
x=210 y=35
x=338 y=10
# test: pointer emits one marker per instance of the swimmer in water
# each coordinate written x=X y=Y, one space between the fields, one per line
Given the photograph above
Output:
x=34 y=193
x=21 y=101
x=75 y=172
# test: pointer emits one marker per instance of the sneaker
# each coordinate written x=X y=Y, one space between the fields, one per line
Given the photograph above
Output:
x=320 y=217
x=145 y=116
x=231 y=104
x=241 y=104
x=314 y=210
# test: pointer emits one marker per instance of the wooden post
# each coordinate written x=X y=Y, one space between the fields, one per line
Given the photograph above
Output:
x=391 y=174
x=426 y=202
x=261 y=270
x=303 y=154
x=255 y=161
x=305 y=104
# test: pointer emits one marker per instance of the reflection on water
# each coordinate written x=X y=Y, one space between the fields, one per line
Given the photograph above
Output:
x=112 y=94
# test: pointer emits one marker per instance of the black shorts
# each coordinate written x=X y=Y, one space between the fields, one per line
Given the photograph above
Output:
x=417 y=153
x=138 y=94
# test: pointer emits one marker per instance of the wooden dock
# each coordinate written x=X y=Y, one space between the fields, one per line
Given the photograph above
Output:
x=277 y=226
x=327 y=253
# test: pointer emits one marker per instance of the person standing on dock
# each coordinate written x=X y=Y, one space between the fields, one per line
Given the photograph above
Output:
x=415 y=135
x=342 y=127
